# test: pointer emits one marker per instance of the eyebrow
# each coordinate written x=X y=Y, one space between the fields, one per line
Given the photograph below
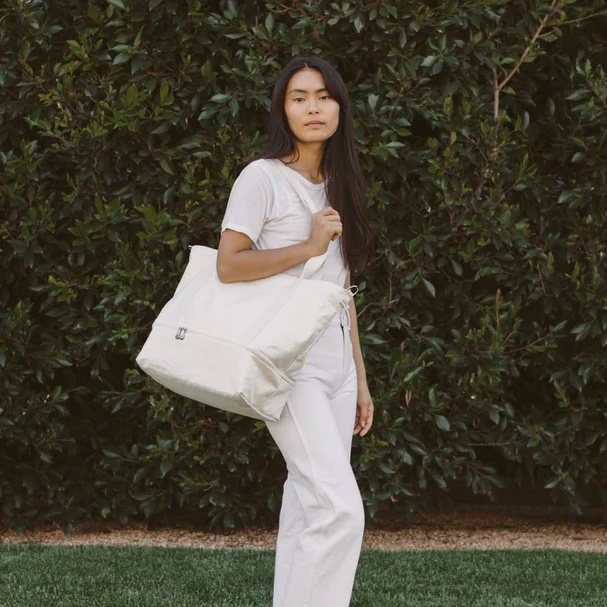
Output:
x=304 y=91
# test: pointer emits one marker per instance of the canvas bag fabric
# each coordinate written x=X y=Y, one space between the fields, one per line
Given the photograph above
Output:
x=239 y=346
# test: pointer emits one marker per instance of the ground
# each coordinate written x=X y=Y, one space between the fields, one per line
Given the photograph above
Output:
x=473 y=527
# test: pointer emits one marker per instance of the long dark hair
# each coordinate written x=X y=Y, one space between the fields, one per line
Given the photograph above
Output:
x=345 y=184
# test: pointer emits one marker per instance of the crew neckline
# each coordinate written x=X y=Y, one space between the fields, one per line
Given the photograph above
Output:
x=306 y=182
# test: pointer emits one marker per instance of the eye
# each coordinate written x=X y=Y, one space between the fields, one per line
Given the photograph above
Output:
x=324 y=97
x=298 y=99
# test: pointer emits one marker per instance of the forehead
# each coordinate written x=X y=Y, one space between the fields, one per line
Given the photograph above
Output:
x=307 y=80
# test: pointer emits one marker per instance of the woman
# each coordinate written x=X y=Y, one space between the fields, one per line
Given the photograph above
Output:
x=267 y=230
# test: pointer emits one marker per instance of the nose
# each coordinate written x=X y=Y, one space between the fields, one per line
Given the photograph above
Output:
x=312 y=109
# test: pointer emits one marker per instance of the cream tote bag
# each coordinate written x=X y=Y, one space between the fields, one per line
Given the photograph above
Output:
x=239 y=346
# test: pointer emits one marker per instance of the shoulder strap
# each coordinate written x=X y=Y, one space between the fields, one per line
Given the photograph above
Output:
x=297 y=186
x=314 y=264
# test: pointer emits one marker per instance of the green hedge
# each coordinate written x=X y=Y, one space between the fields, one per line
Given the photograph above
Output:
x=483 y=311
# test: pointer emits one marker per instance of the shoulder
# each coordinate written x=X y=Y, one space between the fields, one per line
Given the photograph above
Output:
x=263 y=169
x=256 y=189
x=256 y=177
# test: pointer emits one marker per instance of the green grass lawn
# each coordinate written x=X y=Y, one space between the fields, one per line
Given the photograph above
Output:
x=60 y=576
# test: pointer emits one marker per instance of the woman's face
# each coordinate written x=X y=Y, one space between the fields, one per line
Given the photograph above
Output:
x=312 y=114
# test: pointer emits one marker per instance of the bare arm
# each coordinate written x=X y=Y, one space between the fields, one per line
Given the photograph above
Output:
x=364 y=404
x=361 y=372
x=237 y=262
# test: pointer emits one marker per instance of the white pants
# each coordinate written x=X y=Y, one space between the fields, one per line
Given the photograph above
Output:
x=322 y=517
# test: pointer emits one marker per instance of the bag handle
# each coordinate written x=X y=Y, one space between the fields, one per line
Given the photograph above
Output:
x=313 y=264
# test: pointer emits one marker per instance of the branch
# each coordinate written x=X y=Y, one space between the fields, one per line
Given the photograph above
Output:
x=499 y=86
x=592 y=15
x=541 y=26
x=513 y=442
x=496 y=96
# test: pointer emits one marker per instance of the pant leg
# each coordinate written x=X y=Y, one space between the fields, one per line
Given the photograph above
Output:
x=290 y=526
x=291 y=519
x=322 y=518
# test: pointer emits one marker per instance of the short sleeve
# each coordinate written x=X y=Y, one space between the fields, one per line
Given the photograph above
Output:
x=250 y=202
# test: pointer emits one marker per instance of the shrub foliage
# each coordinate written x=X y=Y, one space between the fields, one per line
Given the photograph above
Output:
x=483 y=312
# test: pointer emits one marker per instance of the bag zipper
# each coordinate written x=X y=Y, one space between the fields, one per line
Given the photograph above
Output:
x=181 y=332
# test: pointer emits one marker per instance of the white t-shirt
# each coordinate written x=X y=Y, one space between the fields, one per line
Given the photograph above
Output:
x=265 y=207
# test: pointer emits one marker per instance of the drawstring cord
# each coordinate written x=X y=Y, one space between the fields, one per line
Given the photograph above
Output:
x=344 y=312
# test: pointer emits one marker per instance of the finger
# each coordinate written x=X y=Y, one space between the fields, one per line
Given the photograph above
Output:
x=330 y=224
x=367 y=423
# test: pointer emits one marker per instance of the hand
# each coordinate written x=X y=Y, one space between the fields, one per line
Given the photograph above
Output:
x=326 y=226
x=364 y=412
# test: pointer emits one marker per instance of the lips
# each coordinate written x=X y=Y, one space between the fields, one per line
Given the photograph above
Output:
x=314 y=123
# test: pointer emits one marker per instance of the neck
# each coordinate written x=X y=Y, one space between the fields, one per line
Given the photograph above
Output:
x=307 y=160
